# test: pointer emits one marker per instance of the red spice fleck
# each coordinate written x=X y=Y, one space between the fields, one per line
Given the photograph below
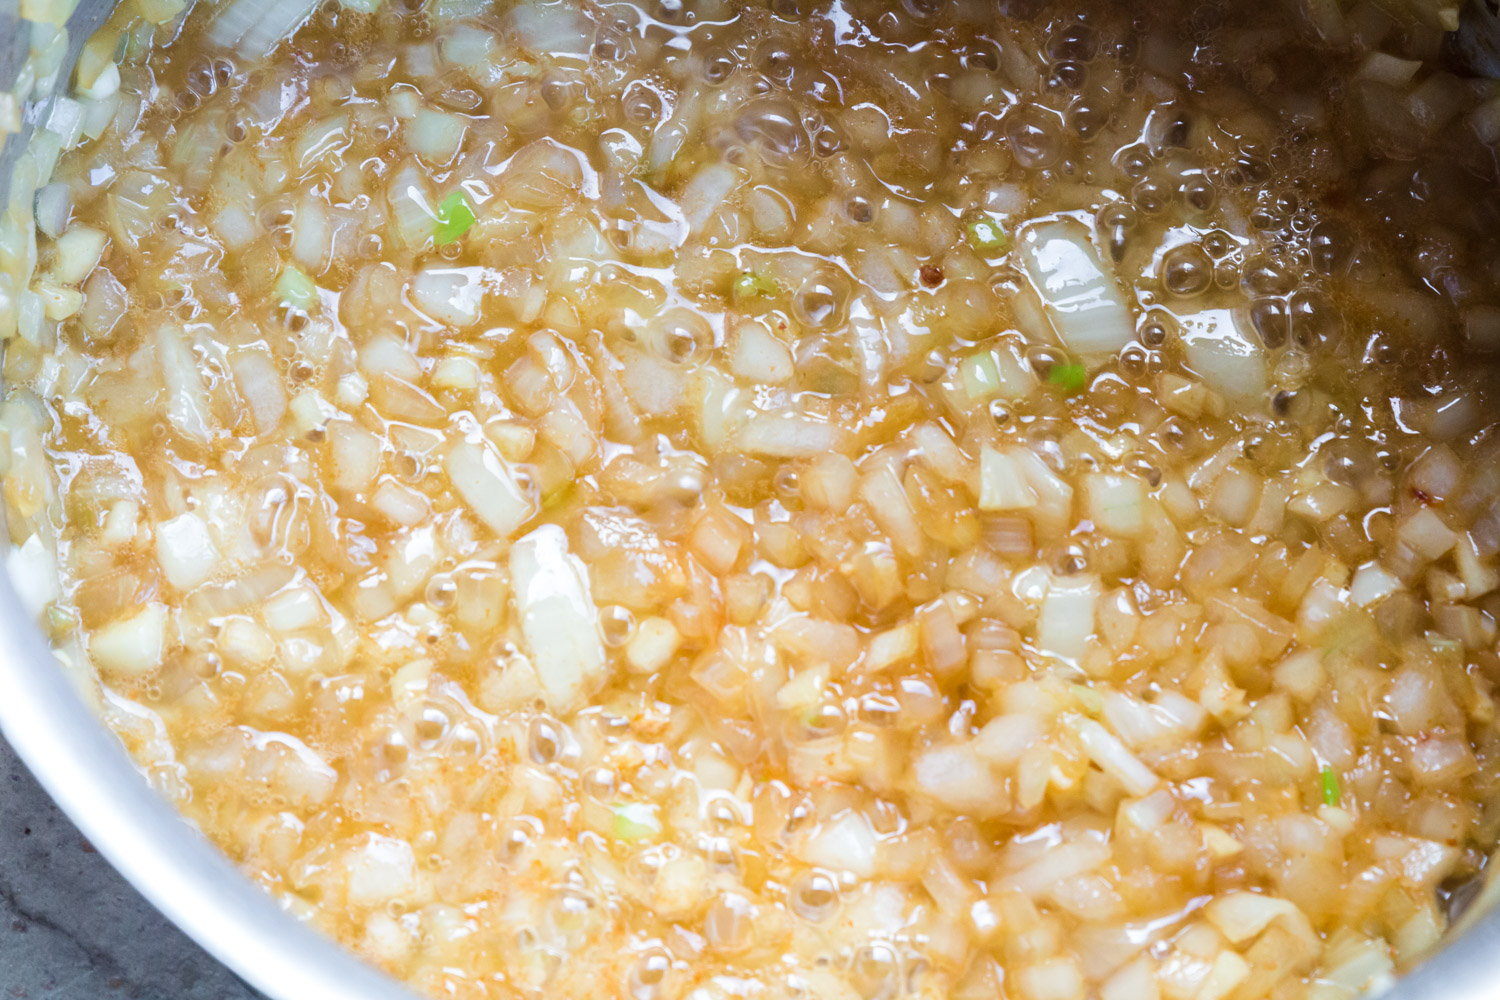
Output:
x=931 y=275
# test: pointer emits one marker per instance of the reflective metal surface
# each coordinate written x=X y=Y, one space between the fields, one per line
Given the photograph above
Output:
x=86 y=770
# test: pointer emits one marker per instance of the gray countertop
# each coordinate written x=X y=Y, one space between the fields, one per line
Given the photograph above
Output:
x=73 y=929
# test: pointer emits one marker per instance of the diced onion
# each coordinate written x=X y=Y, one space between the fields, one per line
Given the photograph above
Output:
x=558 y=619
x=486 y=484
x=1078 y=290
x=186 y=551
x=131 y=646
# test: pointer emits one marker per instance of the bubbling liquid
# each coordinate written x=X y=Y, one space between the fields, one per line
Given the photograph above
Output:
x=852 y=500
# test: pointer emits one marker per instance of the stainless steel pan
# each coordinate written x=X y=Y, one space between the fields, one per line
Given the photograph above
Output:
x=86 y=770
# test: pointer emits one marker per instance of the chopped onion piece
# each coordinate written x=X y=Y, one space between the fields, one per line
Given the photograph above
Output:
x=33 y=573
x=1242 y=915
x=1066 y=626
x=435 y=136
x=1371 y=583
x=1116 y=503
x=187 y=398
x=788 y=435
x=759 y=356
x=845 y=844
x=1106 y=750
x=705 y=193
x=254 y=27
x=381 y=870
x=486 y=484
x=552 y=28
x=132 y=646
x=1425 y=532
x=1077 y=288
x=1002 y=483
x=186 y=551
x=451 y=295
x=1223 y=355
x=558 y=619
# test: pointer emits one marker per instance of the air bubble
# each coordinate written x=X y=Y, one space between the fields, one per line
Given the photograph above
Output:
x=648 y=975
x=641 y=104
x=1075 y=42
x=875 y=971
x=1150 y=195
x=1314 y=320
x=617 y=624
x=1269 y=318
x=1133 y=161
x=729 y=924
x=544 y=741
x=1033 y=137
x=1154 y=332
x=1199 y=193
x=813 y=896
x=775 y=129
x=822 y=300
x=441 y=592
x=1262 y=276
x=718 y=67
x=1187 y=270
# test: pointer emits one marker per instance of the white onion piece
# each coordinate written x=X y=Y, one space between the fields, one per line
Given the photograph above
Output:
x=1066 y=860
x=552 y=29
x=1425 y=532
x=105 y=302
x=1067 y=621
x=558 y=619
x=187 y=398
x=54 y=204
x=1388 y=69
x=1222 y=355
x=254 y=27
x=259 y=382
x=33 y=572
x=845 y=844
x=380 y=869
x=1005 y=738
x=1116 y=503
x=235 y=227
x=959 y=779
x=486 y=484
x=788 y=435
x=131 y=646
x=186 y=551
x=435 y=136
x=1002 y=483
x=452 y=295
x=78 y=252
x=705 y=193
x=653 y=384
x=312 y=235
x=1371 y=583
x=294 y=609
x=759 y=356
x=1077 y=288
x=1113 y=758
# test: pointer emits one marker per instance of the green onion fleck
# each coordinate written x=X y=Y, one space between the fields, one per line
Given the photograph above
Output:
x=635 y=821
x=986 y=236
x=1070 y=377
x=454 y=217
x=749 y=284
x=294 y=288
x=1330 y=781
